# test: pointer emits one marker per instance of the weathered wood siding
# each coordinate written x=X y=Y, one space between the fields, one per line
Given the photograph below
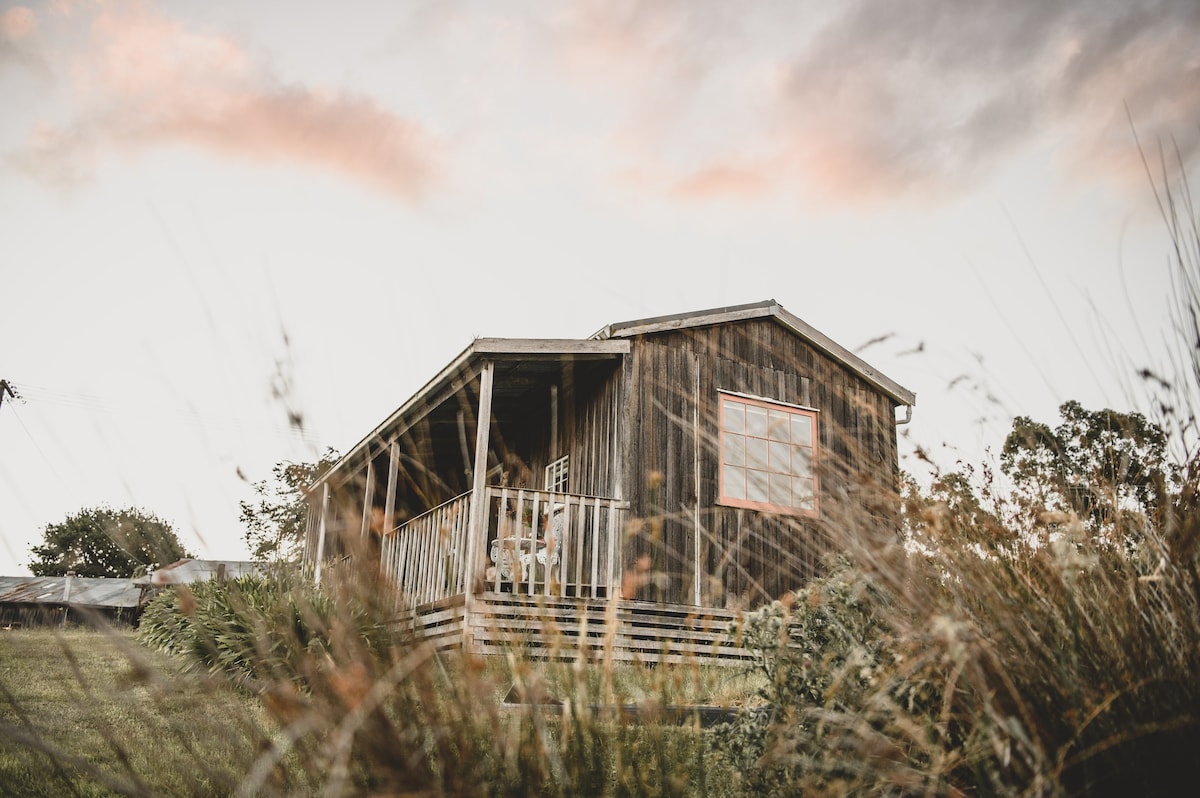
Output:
x=590 y=417
x=564 y=628
x=745 y=557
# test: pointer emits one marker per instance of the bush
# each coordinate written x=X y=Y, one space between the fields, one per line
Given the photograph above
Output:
x=253 y=629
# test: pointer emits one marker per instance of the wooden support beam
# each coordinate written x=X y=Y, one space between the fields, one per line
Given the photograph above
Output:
x=477 y=531
x=368 y=499
x=389 y=509
x=325 y=496
x=553 y=424
x=462 y=443
x=697 y=453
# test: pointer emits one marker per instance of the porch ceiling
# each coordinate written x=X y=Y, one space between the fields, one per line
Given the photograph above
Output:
x=521 y=365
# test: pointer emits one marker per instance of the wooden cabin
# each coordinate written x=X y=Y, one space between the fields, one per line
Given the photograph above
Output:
x=667 y=471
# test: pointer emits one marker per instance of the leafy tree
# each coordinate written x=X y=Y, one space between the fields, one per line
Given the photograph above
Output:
x=958 y=501
x=101 y=541
x=1095 y=464
x=275 y=519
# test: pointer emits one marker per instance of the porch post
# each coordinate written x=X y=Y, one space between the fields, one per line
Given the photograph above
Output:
x=368 y=499
x=697 y=453
x=321 y=533
x=477 y=530
x=389 y=509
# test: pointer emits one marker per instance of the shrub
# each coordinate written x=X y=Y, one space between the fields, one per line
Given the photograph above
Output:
x=253 y=629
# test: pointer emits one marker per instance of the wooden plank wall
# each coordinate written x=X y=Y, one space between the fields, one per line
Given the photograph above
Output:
x=589 y=423
x=745 y=557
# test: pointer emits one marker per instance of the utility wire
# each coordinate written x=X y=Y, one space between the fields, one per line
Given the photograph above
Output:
x=40 y=451
x=6 y=388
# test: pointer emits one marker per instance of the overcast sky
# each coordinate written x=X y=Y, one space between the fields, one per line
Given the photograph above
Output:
x=214 y=215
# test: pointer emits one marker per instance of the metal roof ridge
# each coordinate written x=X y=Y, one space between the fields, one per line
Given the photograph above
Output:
x=609 y=330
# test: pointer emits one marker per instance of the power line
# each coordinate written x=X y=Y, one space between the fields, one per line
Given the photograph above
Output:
x=6 y=388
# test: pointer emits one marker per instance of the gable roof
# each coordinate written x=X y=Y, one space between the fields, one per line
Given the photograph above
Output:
x=768 y=309
x=610 y=341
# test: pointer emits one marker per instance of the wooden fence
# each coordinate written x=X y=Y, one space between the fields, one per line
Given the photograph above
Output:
x=426 y=556
x=539 y=543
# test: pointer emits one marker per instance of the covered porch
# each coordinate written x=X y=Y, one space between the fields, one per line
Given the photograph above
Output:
x=494 y=502
x=549 y=580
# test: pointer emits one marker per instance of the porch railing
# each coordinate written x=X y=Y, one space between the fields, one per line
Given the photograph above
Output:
x=426 y=556
x=538 y=543
x=553 y=544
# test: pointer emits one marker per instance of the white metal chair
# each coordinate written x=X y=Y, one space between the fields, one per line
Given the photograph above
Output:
x=545 y=549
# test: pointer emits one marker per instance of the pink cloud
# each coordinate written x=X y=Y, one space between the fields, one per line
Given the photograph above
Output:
x=348 y=134
x=145 y=81
x=17 y=23
x=721 y=180
x=876 y=100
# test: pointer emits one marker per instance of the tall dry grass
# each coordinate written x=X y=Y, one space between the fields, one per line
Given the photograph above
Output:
x=359 y=707
x=981 y=652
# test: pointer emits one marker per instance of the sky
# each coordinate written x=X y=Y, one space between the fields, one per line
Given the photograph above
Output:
x=218 y=218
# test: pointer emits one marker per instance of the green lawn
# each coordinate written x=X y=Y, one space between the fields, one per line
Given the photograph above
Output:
x=93 y=713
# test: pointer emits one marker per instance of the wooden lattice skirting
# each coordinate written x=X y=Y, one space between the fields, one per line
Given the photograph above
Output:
x=561 y=628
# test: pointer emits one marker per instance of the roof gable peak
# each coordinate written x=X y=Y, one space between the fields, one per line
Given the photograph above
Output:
x=766 y=309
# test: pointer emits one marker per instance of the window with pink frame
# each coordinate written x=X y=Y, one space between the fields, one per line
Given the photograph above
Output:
x=768 y=455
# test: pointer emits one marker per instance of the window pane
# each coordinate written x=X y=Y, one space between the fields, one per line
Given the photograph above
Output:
x=756 y=453
x=802 y=429
x=733 y=416
x=777 y=424
x=802 y=494
x=768 y=453
x=802 y=461
x=733 y=449
x=781 y=457
x=756 y=489
x=735 y=482
x=756 y=421
x=781 y=490
x=556 y=475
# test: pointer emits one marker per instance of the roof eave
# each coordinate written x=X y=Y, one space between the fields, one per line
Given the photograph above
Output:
x=893 y=389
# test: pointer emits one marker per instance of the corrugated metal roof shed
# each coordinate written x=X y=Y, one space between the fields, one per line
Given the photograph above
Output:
x=185 y=572
x=85 y=591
